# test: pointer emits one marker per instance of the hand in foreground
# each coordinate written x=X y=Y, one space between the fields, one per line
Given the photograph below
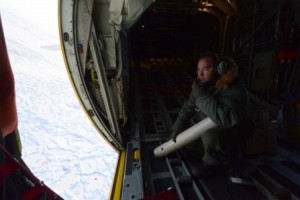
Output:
x=173 y=136
x=197 y=88
x=195 y=83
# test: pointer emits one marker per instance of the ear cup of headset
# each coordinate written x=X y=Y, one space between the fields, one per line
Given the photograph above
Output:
x=222 y=67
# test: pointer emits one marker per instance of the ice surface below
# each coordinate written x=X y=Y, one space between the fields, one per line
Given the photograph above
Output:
x=60 y=145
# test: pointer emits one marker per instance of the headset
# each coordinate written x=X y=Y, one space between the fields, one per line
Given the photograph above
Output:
x=221 y=65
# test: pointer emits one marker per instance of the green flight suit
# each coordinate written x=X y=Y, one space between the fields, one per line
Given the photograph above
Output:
x=226 y=107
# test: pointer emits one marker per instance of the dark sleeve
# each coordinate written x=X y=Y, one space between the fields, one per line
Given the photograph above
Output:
x=225 y=110
x=185 y=114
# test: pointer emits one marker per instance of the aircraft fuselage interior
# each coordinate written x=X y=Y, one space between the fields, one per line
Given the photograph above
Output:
x=132 y=64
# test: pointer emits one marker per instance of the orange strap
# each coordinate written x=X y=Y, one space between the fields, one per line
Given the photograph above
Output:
x=166 y=195
x=39 y=187
x=6 y=169
x=33 y=193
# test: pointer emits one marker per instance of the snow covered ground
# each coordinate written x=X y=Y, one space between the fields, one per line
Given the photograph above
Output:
x=60 y=145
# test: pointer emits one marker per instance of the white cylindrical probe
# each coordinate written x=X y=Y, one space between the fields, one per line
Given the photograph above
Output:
x=185 y=137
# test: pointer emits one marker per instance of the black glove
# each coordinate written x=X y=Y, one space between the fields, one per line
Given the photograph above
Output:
x=197 y=88
x=195 y=83
x=174 y=135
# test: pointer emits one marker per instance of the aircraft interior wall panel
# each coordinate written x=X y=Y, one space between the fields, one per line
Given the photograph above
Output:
x=83 y=19
x=101 y=18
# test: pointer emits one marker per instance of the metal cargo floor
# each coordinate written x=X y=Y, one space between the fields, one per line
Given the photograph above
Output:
x=159 y=94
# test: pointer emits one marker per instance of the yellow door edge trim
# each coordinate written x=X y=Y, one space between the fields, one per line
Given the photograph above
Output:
x=116 y=189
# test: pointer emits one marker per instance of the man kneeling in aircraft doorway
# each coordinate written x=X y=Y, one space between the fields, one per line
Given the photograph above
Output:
x=219 y=94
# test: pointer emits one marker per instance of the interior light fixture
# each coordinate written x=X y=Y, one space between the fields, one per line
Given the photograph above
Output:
x=206 y=4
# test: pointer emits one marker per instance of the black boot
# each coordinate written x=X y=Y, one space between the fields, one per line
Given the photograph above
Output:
x=205 y=171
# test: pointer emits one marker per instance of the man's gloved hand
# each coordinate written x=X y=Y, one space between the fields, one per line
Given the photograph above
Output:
x=174 y=135
x=195 y=83
x=197 y=88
